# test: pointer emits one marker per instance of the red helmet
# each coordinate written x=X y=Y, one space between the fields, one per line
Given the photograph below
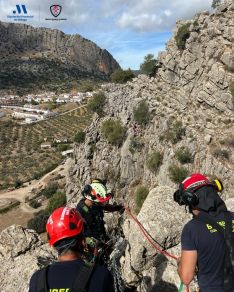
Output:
x=195 y=181
x=64 y=222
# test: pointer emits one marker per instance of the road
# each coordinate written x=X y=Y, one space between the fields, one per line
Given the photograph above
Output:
x=21 y=193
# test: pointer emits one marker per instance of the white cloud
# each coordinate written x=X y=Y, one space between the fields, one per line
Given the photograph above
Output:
x=141 y=15
x=167 y=12
x=140 y=22
x=151 y=15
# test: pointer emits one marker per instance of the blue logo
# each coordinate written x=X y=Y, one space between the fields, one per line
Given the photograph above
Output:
x=19 y=9
x=20 y=13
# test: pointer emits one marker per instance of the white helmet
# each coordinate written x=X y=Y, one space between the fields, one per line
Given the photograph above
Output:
x=96 y=192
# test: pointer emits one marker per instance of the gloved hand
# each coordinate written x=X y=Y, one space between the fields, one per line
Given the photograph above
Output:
x=120 y=208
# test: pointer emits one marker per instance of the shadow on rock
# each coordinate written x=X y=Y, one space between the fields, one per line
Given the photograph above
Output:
x=161 y=285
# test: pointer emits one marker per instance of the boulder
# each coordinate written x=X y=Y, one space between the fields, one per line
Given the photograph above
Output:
x=163 y=219
x=22 y=252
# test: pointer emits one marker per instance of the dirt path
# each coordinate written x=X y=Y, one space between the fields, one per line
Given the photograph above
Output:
x=21 y=193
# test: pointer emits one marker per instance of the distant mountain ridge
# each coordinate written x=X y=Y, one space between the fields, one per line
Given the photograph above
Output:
x=32 y=57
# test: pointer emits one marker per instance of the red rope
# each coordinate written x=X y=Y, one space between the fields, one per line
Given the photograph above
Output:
x=148 y=237
x=150 y=240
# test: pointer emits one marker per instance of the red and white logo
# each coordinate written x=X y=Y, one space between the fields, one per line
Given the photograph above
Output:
x=55 y=10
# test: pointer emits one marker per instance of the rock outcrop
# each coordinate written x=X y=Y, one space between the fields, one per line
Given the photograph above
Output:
x=142 y=263
x=21 y=253
x=191 y=91
x=191 y=87
x=41 y=56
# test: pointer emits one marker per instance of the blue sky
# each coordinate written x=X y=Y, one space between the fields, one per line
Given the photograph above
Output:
x=128 y=29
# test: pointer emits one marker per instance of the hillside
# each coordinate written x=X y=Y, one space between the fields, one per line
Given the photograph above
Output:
x=190 y=111
x=21 y=141
x=48 y=58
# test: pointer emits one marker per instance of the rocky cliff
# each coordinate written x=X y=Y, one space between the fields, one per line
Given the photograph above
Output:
x=190 y=95
x=190 y=92
x=35 y=56
x=192 y=87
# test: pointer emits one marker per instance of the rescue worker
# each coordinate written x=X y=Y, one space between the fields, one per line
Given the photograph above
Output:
x=65 y=233
x=92 y=207
x=207 y=240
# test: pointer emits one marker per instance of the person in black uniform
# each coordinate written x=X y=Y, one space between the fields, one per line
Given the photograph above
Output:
x=207 y=240
x=70 y=273
x=92 y=207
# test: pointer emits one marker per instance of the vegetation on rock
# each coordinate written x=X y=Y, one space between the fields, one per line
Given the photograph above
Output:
x=149 y=66
x=182 y=35
x=122 y=76
x=113 y=131
x=136 y=144
x=176 y=173
x=154 y=161
x=215 y=3
x=176 y=132
x=96 y=104
x=141 y=113
x=184 y=155
x=140 y=196
x=79 y=137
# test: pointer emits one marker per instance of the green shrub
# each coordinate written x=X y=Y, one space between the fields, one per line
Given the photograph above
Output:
x=34 y=204
x=18 y=183
x=183 y=155
x=122 y=76
x=221 y=153
x=176 y=132
x=149 y=66
x=177 y=173
x=56 y=201
x=141 y=113
x=182 y=35
x=62 y=147
x=113 y=131
x=231 y=88
x=97 y=103
x=154 y=161
x=9 y=207
x=79 y=137
x=86 y=86
x=140 y=196
x=215 y=3
x=135 y=144
x=50 y=190
x=38 y=223
x=195 y=23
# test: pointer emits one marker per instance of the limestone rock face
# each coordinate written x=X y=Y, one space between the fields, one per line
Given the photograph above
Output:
x=163 y=220
x=44 y=55
x=21 y=254
x=192 y=86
